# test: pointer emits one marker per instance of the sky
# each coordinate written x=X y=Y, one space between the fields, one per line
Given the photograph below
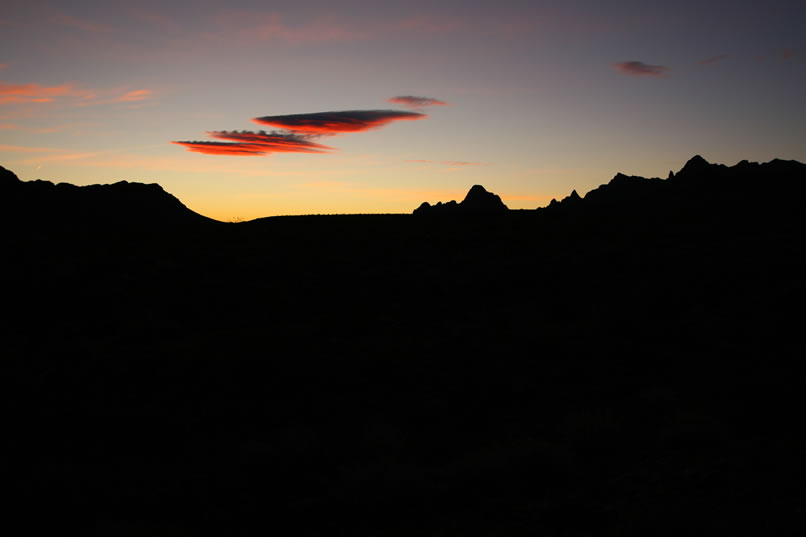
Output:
x=260 y=108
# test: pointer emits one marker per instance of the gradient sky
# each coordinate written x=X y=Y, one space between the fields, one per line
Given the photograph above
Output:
x=530 y=99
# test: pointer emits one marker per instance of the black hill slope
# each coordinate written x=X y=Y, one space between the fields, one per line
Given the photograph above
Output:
x=122 y=204
x=627 y=362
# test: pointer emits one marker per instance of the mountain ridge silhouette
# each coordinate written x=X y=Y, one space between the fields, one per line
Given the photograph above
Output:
x=624 y=363
x=123 y=199
x=116 y=204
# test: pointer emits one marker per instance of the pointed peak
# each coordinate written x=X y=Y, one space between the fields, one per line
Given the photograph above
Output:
x=479 y=199
x=574 y=195
x=696 y=162
x=477 y=192
x=477 y=188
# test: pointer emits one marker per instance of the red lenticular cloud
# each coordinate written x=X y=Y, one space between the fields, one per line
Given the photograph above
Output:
x=412 y=101
x=274 y=141
x=248 y=143
x=223 y=148
x=322 y=123
x=641 y=69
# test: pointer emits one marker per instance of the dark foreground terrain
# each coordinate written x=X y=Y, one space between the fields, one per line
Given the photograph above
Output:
x=627 y=363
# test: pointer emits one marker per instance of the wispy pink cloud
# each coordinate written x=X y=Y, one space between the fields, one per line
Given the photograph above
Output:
x=636 y=68
x=37 y=93
x=156 y=19
x=251 y=27
x=133 y=96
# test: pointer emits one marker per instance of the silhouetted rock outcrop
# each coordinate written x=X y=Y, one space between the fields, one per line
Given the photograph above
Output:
x=477 y=201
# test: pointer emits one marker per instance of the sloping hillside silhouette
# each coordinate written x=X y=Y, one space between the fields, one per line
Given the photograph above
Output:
x=627 y=362
x=122 y=204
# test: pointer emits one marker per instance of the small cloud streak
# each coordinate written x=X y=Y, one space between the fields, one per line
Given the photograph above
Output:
x=29 y=149
x=248 y=143
x=635 y=68
x=134 y=96
x=412 y=101
x=329 y=123
x=37 y=93
x=713 y=59
x=158 y=20
x=85 y=25
x=249 y=27
x=45 y=154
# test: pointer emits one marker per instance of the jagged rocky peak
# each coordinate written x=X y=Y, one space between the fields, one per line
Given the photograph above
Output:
x=477 y=200
x=695 y=164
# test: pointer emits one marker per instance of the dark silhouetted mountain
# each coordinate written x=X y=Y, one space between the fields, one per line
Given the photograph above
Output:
x=700 y=194
x=624 y=363
x=115 y=206
x=477 y=201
